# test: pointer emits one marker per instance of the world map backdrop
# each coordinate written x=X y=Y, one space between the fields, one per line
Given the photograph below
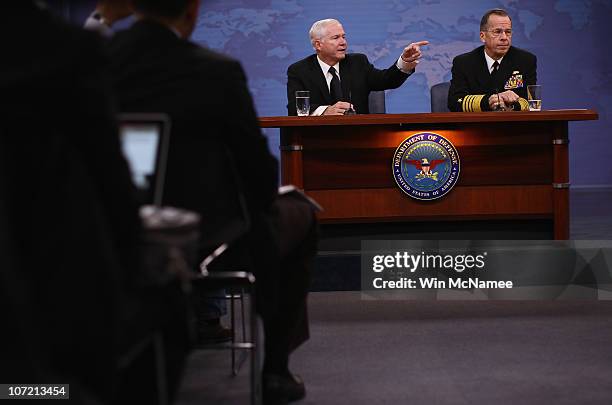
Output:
x=569 y=38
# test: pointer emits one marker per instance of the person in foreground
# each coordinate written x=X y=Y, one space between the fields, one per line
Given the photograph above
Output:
x=69 y=220
x=339 y=81
x=495 y=76
x=106 y=13
x=157 y=69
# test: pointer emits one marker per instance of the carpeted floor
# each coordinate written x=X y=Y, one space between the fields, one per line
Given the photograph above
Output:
x=443 y=352
x=436 y=352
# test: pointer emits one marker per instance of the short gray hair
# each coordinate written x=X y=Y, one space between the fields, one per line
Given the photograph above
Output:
x=484 y=22
x=319 y=29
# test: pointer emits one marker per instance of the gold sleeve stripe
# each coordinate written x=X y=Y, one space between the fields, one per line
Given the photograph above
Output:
x=524 y=104
x=477 y=100
x=467 y=103
x=471 y=103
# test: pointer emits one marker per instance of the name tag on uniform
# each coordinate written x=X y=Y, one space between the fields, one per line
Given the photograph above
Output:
x=515 y=81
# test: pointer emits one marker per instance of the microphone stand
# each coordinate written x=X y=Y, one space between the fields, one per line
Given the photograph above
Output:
x=350 y=111
x=498 y=107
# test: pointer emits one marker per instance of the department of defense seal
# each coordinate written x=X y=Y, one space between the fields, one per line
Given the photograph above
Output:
x=426 y=166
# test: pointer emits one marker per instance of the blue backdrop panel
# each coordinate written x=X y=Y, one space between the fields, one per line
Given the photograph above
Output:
x=568 y=36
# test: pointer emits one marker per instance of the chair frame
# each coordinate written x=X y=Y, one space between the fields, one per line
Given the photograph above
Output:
x=241 y=281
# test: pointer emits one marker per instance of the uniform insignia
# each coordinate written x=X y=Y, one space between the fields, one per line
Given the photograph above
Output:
x=426 y=166
x=515 y=81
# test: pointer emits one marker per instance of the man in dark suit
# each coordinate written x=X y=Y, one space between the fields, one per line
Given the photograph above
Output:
x=336 y=79
x=69 y=220
x=494 y=76
x=157 y=69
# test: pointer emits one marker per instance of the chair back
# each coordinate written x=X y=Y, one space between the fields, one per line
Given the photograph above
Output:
x=439 y=97
x=225 y=216
x=376 y=102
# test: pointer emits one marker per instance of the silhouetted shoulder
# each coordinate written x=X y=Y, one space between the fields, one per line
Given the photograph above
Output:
x=302 y=63
x=469 y=57
x=209 y=54
x=215 y=65
x=357 y=57
x=214 y=58
x=309 y=61
x=524 y=55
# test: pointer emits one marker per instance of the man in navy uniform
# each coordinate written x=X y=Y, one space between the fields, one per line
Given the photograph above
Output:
x=494 y=76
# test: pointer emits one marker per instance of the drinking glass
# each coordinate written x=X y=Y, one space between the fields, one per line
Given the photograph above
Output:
x=302 y=102
x=534 y=97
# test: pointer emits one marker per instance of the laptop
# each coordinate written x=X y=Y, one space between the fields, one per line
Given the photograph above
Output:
x=145 y=140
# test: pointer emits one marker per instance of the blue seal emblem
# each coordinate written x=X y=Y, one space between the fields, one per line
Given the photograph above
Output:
x=426 y=166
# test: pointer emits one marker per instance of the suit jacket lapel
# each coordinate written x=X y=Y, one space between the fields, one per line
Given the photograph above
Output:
x=319 y=79
x=484 y=77
x=345 y=79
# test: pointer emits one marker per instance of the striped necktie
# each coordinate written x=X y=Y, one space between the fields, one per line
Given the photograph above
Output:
x=495 y=67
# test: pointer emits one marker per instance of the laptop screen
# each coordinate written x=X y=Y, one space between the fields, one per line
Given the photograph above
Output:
x=144 y=141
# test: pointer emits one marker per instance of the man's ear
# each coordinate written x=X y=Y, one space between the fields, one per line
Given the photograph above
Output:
x=482 y=36
x=317 y=44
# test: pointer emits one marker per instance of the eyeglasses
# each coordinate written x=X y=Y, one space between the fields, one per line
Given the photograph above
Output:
x=498 y=31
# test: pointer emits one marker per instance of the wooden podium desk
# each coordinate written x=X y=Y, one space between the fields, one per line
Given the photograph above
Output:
x=514 y=165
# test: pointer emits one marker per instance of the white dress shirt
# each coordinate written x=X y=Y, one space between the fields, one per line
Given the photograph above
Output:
x=328 y=78
x=401 y=65
x=491 y=61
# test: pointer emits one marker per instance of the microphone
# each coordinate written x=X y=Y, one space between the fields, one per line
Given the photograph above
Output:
x=350 y=111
